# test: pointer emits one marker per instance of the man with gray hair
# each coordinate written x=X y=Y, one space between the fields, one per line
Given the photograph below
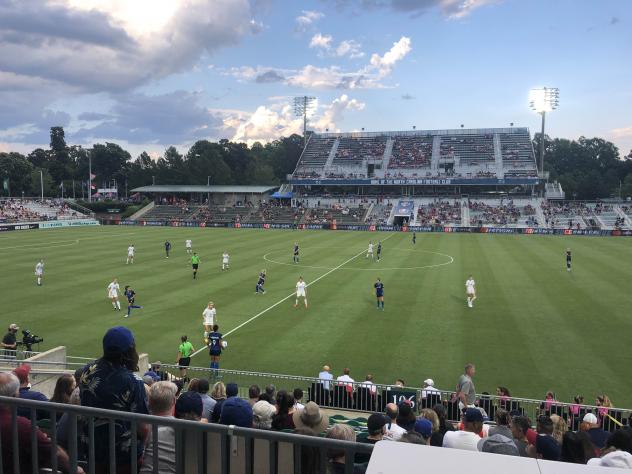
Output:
x=162 y=402
x=9 y=387
x=465 y=391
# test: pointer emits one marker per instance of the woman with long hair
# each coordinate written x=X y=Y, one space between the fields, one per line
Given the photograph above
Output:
x=63 y=389
x=285 y=408
x=218 y=393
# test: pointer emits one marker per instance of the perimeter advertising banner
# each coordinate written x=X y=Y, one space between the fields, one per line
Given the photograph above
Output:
x=8 y=227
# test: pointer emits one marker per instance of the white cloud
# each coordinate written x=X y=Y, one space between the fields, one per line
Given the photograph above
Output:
x=320 y=41
x=334 y=113
x=624 y=132
x=308 y=18
x=384 y=64
x=452 y=9
x=457 y=9
x=324 y=43
x=349 y=48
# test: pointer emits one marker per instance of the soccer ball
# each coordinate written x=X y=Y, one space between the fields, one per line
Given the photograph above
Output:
x=224 y=344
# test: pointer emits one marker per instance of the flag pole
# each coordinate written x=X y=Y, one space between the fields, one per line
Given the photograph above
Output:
x=89 y=176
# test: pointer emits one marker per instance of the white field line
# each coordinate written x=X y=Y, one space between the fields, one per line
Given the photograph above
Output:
x=289 y=296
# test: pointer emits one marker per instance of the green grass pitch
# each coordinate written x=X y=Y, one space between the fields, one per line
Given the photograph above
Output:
x=534 y=327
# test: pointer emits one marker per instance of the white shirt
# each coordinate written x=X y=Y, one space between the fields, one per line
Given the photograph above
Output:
x=370 y=247
x=469 y=284
x=113 y=289
x=325 y=377
x=300 y=287
x=461 y=440
x=209 y=315
x=370 y=385
x=429 y=390
x=187 y=243
x=130 y=250
x=345 y=378
x=394 y=432
x=39 y=268
x=225 y=257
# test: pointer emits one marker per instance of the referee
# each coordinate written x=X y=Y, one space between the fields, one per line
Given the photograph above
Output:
x=185 y=349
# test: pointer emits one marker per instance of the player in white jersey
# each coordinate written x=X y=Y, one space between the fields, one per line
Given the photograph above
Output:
x=130 y=254
x=188 y=245
x=225 y=258
x=209 y=316
x=39 y=271
x=113 y=290
x=301 y=291
x=369 y=251
x=470 y=290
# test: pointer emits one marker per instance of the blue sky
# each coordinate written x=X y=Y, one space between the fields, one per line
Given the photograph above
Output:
x=152 y=73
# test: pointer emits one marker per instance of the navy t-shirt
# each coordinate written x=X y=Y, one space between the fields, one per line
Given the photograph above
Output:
x=379 y=288
x=214 y=343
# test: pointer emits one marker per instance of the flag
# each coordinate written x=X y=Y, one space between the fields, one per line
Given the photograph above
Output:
x=92 y=176
x=5 y=184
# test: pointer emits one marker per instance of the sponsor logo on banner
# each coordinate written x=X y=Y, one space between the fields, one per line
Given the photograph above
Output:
x=237 y=225
x=372 y=228
x=447 y=229
x=266 y=226
x=500 y=230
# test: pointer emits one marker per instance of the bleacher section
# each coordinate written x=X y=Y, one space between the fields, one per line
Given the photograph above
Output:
x=170 y=212
x=502 y=213
x=353 y=150
x=411 y=152
x=273 y=214
x=24 y=210
x=469 y=149
x=316 y=153
x=438 y=212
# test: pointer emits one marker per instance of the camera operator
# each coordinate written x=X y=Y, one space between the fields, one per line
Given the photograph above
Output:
x=9 y=342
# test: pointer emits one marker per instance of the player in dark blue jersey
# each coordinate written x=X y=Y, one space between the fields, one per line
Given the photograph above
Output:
x=167 y=247
x=295 y=256
x=215 y=346
x=379 y=251
x=414 y=238
x=568 y=260
x=260 y=282
x=130 y=294
x=379 y=293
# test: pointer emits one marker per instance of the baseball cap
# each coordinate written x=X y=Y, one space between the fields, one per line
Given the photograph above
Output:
x=22 y=373
x=189 y=402
x=117 y=339
x=423 y=426
x=428 y=382
x=232 y=390
x=13 y=327
x=375 y=423
x=236 y=411
x=590 y=418
x=473 y=415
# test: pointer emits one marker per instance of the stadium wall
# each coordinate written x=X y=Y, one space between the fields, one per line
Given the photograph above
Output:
x=48 y=224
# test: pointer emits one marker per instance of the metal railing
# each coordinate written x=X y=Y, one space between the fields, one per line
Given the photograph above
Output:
x=232 y=449
x=368 y=397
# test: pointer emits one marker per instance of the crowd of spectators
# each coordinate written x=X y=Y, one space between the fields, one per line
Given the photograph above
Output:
x=439 y=213
x=411 y=152
x=502 y=214
x=18 y=210
x=361 y=147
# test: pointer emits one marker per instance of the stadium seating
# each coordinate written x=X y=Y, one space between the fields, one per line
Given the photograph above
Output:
x=356 y=149
x=439 y=212
x=411 y=152
x=19 y=210
x=316 y=153
x=170 y=212
x=471 y=148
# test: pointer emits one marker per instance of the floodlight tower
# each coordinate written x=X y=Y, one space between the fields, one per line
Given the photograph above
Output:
x=543 y=100
x=302 y=106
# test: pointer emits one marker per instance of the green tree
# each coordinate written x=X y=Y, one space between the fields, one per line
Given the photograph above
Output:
x=108 y=162
x=16 y=168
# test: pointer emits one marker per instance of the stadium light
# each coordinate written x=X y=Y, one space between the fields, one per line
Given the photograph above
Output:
x=543 y=100
x=302 y=106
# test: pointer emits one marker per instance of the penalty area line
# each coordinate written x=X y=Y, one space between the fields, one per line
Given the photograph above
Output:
x=261 y=313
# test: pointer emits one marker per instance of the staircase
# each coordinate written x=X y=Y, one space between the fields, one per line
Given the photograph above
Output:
x=388 y=151
x=539 y=214
x=626 y=218
x=142 y=211
x=554 y=191
x=368 y=212
x=465 y=213
x=332 y=154
x=498 y=155
x=436 y=153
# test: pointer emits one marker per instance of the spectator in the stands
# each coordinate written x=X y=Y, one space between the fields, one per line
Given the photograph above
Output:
x=430 y=415
x=311 y=418
x=219 y=395
x=325 y=376
x=235 y=411
x=559 y=428
x=253 y=394
x=271 y=392
x=298 y=399
x=64 y=387
x=429 y=389
x=207 y=401
x=162 y=402
x=346 y=380
x=22 y=373
x=620 y=459
x=336 y=456
x=376 y=428
x=189 y=406
x=368 y=383
x=406 y=417
x=423 y=426
x=545 y=448
x=310 y=455
x=519 y=427
x=604 y=404
x=9 y=387
x=503 y=420
x=466 y=392
x=597 y=434
x=110 y=383
x=498 y=444
x=393 y=430
x=283 y=420
x=576 y=447
x=468 y=438
x=262 y=413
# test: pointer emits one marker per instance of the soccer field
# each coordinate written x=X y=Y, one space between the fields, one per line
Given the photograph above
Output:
x=534 y=327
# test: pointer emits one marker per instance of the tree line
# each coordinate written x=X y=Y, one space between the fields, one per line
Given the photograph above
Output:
x=587 y=168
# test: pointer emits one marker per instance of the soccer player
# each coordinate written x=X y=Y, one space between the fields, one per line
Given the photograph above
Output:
x=470 y=290
x=188 y=245
x=130 y=254
x=39 y=271
x=414 y=238
x=209 y=319
x=295 y=256
x=225 y=258
x=167 y=247
x=369 y=251
x=260 y=282
x=185 y=349
x=195 y=263
x=568 y=260
x=379 y=293
x=113 y=289
x=130 y=294
x=379 y=251
x=215 y=346
x=301 y=291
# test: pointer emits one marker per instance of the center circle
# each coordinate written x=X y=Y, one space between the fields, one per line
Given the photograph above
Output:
x=449 y=259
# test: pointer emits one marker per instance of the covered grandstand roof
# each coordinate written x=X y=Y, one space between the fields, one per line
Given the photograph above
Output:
x=230 y=189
